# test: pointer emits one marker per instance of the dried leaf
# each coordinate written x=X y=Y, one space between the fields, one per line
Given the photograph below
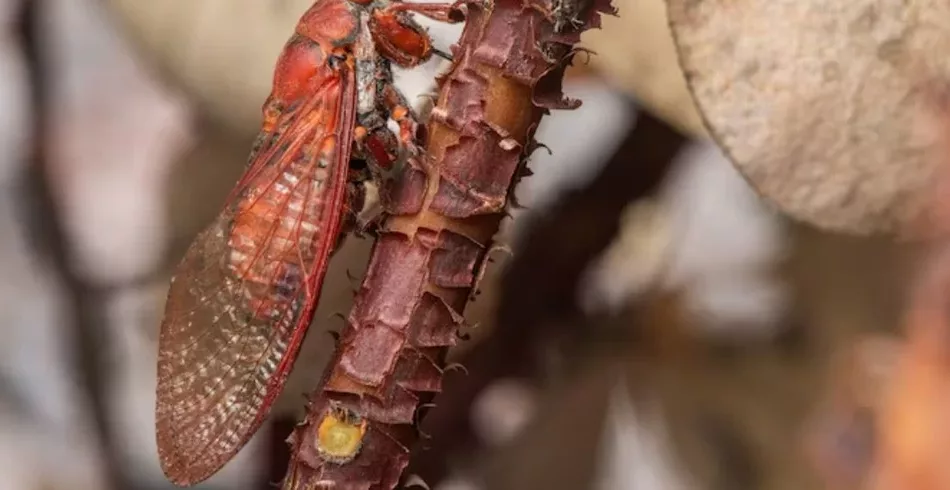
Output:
x=815 y=101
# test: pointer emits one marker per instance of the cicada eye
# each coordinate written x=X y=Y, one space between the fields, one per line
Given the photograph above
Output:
x=400 y=39
x=336 y=60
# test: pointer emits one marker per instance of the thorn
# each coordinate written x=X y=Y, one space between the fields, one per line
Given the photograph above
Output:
x=501 y=248
x=456 y=367
x=537 y=144
x=350 y=276
x=590 y=53
x=416 y=481
x=513 y=202
x=417 y=419
x=335 y=335
x=291 y=438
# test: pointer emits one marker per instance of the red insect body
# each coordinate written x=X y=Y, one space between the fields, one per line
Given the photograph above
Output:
x=244 y=294
x=400 y=43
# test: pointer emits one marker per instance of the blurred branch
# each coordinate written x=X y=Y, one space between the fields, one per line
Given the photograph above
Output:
x=221 y=52
x=910 y=433
x=48 y=235
x=885 y=425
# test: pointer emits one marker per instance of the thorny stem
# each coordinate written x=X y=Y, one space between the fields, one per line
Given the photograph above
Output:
x=534 y=306
x=443 y=213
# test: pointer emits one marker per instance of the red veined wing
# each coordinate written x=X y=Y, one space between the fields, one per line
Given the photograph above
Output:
x=245 y=292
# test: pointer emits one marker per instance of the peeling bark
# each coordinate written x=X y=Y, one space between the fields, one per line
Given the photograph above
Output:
x=428 y=257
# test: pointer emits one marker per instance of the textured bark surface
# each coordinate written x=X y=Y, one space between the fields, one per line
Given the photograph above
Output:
x=429 y=254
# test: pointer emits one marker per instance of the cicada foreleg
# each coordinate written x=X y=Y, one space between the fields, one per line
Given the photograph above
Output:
x=399 y=110
x=450 y=13
x=385 y=151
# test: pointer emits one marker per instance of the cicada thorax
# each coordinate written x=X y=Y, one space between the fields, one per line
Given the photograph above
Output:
x=330 y=23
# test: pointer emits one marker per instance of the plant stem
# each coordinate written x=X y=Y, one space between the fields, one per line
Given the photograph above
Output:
x=428 y=257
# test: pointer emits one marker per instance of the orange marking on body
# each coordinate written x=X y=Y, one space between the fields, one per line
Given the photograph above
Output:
x=328 y=145
x=399 y=113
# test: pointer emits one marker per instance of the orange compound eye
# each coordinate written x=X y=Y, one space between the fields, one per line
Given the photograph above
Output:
x=399 y=113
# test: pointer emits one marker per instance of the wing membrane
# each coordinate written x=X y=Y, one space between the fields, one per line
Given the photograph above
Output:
x=245 y=292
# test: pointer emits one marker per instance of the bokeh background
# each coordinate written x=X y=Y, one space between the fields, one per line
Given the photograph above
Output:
x=657 y=326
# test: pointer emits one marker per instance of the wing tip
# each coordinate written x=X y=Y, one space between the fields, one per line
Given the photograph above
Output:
x=180 y=470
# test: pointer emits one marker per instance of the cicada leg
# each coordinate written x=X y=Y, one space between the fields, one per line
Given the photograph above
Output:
x=376 y=143
x=450 y=13
x=364 y=209
x=394 y=102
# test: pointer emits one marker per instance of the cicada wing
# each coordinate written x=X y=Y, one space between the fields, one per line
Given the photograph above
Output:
x=245 y=292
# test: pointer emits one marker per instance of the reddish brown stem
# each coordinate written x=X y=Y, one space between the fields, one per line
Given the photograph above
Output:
x=507 y=74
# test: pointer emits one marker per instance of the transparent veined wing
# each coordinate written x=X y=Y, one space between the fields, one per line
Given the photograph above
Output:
x=244 y=294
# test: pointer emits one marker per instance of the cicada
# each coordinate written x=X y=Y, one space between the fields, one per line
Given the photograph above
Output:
x=245 y=292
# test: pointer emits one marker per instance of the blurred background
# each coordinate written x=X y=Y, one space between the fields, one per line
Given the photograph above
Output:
x=657 y=326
